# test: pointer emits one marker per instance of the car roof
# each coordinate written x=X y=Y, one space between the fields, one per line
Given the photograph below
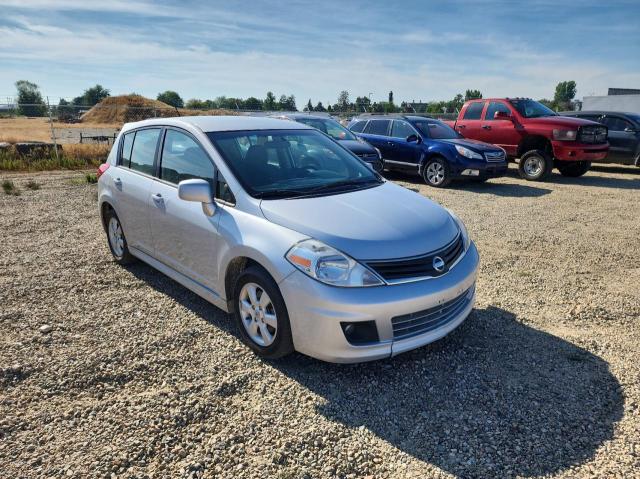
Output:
x=301 y=116
x=599 y=112
x=222 y=123
x=392 y=116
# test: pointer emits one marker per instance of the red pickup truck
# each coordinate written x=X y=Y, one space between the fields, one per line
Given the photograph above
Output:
x=528 y=130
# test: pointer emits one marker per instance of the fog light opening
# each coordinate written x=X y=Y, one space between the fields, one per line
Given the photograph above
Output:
x=360 y=333
x=470 y=172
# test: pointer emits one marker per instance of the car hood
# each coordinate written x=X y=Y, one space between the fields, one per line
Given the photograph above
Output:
x=384 y=222
x=358 y=147
x=473 y=144
x=561 y=121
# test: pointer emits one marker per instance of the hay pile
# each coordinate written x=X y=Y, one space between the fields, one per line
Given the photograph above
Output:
x=128 y=108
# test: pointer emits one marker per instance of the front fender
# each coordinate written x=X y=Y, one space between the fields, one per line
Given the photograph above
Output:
x=439 y=149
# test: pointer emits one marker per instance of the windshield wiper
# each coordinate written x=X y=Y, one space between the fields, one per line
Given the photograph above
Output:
x=281 y=193
x=342 y=183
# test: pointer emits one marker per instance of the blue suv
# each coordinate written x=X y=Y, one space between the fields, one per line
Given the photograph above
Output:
x=430 y=148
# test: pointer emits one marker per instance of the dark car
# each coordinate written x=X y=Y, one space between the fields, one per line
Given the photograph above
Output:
x=430 y=148
x=335 y=130
x=624 y=134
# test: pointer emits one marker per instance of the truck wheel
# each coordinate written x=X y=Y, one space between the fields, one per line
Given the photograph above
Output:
x=535 y=165
x=436 y=172
x=573 y=168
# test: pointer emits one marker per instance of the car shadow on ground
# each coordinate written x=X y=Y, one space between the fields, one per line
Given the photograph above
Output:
x=495 y=398
x=593 y=178
x=498 y=189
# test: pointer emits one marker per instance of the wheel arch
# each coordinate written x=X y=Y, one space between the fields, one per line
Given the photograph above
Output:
x=534 y=142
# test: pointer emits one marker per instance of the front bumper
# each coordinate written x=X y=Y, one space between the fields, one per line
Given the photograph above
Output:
x=479 y=169
x=316 y=310
x=571 y=151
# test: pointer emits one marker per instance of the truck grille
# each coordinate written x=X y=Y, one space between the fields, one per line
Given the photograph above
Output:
x=594 y=134
x=494 y=155
x=427 y=320
x=396 y=270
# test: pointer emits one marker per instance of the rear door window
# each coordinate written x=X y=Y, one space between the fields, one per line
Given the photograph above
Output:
x=474 y=110
x=378 y=127
x=144 y=150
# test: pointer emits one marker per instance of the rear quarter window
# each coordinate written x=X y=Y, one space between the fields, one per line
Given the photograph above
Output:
x=378 y=127
x=358 y=126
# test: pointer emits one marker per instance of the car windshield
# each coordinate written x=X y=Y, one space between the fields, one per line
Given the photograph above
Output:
x=436 y=130
x=532 y=108
x=274 y=164
x=331 y=127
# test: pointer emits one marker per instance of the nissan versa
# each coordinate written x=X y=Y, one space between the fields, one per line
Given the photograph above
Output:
x=273 y=221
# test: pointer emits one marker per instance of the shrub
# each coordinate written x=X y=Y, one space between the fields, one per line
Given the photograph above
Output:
x=10 y=188
x=32 y=185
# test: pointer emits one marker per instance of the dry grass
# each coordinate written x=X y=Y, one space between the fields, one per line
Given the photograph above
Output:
x=72 y=157
x=13 y=130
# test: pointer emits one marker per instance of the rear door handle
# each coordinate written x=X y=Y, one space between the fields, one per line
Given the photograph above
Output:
x=117 y=182
x=390 y=143
x=486 y=127
x=462 y=126
x=157 y=198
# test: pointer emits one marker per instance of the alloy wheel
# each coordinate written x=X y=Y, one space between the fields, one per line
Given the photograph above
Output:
x=116 y=237
x=435 y=173
x=258 y=314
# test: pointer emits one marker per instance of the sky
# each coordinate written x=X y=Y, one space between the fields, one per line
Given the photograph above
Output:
x=421 y=49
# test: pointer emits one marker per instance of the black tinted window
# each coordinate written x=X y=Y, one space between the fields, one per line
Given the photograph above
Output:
x=127 y=143
x=223 y=191
x=493 y=108
x=474 y=110
x=144 y=150
x=595 y=118
x=184 y=159
x=615 y=123
x=401 y=129
x=378 y=127
x=358 y=126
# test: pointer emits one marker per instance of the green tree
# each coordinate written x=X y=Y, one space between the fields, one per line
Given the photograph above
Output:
x=456 y=104
x=391 y=97
x=270 y=102
x=196 y=104
x=172 y=98
x=287 y=103
x=30 y=101
x=363 y=103
x=472 y=95
x=309 y=106
x=94 y=95
x=320 y=107
x=343 y=101
x=253 y=103
x=565 y=92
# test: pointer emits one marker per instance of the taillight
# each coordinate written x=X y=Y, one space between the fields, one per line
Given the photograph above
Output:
x=101 y=169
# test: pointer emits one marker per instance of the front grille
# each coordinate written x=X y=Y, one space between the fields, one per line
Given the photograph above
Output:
x=427 y=320
x=494 y=155
x=594 y=134
x=396 y=270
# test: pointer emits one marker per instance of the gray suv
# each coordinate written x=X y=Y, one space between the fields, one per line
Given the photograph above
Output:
x=274 y=222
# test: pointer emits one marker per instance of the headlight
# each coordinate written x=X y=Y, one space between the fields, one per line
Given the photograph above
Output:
x=463 y=229
x=565 y=135
x=330 y=266
x=379 y=154
x=466 y=152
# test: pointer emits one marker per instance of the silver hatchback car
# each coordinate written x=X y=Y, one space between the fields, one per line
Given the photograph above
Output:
x=273 y=221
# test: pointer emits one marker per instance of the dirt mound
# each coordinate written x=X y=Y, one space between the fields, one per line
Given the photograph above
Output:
x=127 y=108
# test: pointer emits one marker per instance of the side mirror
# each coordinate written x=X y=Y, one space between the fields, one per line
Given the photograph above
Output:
x=502 y=115
x=198 y=191
x=412 y=138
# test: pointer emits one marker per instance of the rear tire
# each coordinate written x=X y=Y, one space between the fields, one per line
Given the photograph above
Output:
x=573 y=169
x=535 y=165
x=261 y=314
x=116 y=239
x=436 y=172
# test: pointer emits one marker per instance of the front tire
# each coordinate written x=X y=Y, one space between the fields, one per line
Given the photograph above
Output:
x=436 y=173
x=573 y=169
x=535 y=165
x=261 y=314
x=117 y=240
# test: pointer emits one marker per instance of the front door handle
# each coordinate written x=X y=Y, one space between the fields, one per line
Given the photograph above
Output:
x=462 y=126
x=157 y=198
x=486 y=127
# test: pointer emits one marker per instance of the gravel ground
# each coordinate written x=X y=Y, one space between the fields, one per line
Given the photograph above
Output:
x=114 y=372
